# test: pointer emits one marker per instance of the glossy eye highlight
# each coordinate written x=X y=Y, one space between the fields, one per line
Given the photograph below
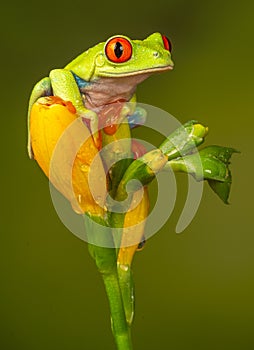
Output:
x=167 y=43
x=118 y=50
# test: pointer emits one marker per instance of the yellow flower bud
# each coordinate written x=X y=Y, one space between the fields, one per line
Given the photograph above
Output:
x=199 y=130
x=134 y=226
x=49 y=120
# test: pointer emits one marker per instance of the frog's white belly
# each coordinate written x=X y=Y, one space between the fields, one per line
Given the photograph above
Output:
x=103 y=91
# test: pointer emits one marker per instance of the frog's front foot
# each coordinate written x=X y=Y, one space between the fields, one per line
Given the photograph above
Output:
x=127 y=109
x=138 y=118
x=135 y=115
x=93 y=122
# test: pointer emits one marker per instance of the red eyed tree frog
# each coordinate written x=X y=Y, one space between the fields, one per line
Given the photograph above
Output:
x=106 y=73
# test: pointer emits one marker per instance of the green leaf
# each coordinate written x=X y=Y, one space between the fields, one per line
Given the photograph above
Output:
x=184 y=139
x=222 y=189
x=201 y=168
x=211 y=164
x=214 y=169
x=221 y=153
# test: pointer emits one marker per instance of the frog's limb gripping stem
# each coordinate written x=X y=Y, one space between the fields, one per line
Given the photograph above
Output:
x=94 y=125
x=65 y=86
x=137 y=118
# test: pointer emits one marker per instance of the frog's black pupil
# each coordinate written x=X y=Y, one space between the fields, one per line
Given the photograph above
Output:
x=118 y=49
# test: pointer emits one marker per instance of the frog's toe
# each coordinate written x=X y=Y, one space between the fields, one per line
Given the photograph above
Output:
x=138 y=118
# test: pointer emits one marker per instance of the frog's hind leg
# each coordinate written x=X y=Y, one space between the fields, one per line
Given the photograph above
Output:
x=42 y=88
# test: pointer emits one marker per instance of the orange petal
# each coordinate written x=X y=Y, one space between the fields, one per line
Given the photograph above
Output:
x=134 y=226
x=64 y=149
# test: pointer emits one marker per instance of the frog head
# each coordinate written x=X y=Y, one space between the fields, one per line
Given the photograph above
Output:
x=120 y=56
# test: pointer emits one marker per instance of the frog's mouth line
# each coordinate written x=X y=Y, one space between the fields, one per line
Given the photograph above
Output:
x=143 y=71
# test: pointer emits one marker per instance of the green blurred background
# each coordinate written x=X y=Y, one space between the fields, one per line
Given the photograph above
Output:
x=193 y=290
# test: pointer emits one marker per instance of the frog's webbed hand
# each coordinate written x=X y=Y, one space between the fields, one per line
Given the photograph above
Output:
x=137 y=118
x=65 y=86
x=135 y=115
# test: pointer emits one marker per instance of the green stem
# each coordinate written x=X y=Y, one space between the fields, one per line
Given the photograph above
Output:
x=120 y=328
x=106 y=262
x=127 y=288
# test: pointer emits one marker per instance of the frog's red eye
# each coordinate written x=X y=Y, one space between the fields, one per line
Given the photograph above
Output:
x=167 y=43
x=118 y=50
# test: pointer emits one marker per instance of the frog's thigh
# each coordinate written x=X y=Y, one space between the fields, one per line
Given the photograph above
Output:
x=64 y=86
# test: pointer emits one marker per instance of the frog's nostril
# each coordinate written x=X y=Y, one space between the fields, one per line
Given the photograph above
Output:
x=156 y=54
